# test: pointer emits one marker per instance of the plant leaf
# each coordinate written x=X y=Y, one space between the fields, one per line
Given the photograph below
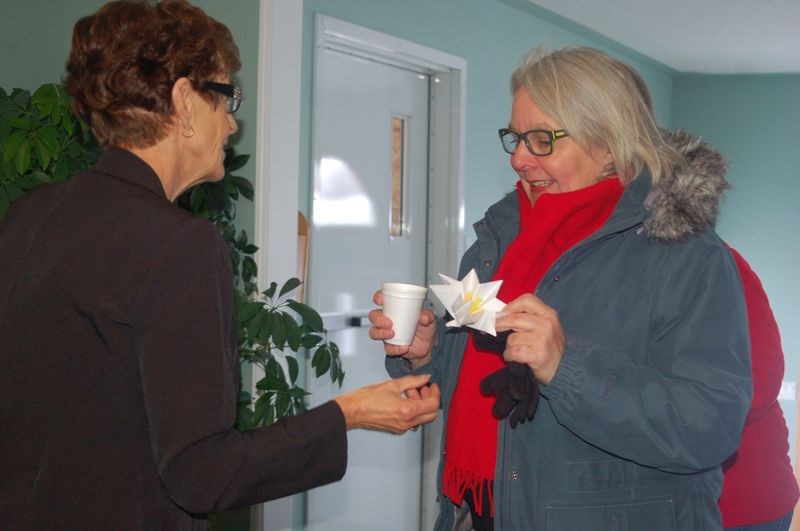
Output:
x=270 y=292
x=290 y=285
x=283 y=403
x=262 y=405
x=294 y=368
x=254 y=325
x=292 y=332
x=229 y=232
x=247 y=311
x=243 y=186
x=21 y=98
x=244 y=417
x=266 y=384
x=42 y=152
x=68 y=122
x=321 y=361
x=49 y=136
x=13 y=144
x=274 y=373
x=26 y=182
x=311 y=318
x=279 y=333
x=61 y=171
x=310 y=340
x=236 y=161
x=197 y=199
x=22 y=122
x=242 y=240
x=249 y=268
x=41 y=177
x=23 y=159
x=265 y=325
x=46 y=99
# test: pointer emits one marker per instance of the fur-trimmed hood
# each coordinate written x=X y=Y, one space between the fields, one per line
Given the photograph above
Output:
x=688 y=200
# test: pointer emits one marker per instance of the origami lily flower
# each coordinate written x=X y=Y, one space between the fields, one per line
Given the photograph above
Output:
x=470 y=303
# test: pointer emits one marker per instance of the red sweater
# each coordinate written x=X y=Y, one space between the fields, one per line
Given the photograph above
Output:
x=759 y=483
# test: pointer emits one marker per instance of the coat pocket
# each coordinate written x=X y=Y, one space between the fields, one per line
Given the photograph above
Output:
x=653 y=515
x=595 y=476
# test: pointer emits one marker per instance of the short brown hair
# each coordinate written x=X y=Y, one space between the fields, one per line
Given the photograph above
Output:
x=126 y=57
x=601 y=101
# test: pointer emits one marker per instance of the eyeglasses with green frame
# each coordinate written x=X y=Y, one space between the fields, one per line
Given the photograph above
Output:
x=233 y=94
x=539 y=141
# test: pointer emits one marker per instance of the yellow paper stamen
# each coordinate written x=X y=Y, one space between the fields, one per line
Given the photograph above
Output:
x=476 y=305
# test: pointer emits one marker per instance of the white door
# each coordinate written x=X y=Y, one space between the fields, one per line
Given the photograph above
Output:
x=368 y=226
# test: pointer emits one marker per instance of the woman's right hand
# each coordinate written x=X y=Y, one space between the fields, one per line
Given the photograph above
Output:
x=419 y=352
x=394 y=406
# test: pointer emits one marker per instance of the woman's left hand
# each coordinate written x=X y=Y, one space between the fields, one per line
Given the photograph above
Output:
x=536 y=339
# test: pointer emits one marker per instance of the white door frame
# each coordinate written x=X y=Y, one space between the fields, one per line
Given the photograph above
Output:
x=280 y=38
x=277 y=156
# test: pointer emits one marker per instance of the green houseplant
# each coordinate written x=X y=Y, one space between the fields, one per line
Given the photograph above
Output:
x=41 y=142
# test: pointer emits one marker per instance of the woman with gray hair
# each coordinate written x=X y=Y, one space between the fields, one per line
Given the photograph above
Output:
x=623 y=378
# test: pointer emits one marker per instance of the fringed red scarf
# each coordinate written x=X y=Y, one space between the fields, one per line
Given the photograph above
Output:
x=549 y=228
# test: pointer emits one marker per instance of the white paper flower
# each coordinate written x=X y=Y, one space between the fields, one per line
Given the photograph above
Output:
x=470 y=303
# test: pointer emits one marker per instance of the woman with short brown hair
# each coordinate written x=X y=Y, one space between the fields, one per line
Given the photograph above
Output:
x=120 y=414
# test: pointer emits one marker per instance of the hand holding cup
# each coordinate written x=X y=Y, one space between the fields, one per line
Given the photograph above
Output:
x=415 y=348
x=402 y=303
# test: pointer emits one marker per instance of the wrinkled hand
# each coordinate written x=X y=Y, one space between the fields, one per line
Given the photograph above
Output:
x=394 y=406
x=536 y=338
x=419 y=352
x=516 y=392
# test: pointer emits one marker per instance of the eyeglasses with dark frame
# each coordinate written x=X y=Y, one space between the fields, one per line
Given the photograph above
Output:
x=233 y=94
x=539 y=141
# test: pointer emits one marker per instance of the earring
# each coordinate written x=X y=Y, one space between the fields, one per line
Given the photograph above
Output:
x=190 y=131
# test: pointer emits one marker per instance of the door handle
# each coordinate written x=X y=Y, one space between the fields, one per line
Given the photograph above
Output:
x=342 y=320
x=358 y=321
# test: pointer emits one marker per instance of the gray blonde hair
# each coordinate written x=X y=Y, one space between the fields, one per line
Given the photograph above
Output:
x=600 y=101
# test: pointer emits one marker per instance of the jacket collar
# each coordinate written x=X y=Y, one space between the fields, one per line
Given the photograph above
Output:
x=687 y=201
x=124 y=165
x=502 y=219
x=629 y=211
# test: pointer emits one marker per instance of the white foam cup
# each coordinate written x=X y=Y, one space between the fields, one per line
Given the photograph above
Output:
x=402 y=303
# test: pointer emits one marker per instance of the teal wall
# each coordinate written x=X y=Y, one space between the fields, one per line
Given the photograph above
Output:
x=492 y=36
x=755 y=122
x=35 y=39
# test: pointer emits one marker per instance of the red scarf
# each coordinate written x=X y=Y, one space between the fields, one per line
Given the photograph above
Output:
x=549 y=228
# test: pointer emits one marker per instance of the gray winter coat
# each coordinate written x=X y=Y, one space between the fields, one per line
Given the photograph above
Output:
x=654 y=384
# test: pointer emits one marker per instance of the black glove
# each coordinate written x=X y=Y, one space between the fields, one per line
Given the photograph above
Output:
x=490 y=343
x=517 y=393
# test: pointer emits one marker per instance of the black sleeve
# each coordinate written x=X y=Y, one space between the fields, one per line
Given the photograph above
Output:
x=185 y=344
